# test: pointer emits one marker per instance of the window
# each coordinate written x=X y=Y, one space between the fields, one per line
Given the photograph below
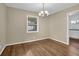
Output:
x=32 y=24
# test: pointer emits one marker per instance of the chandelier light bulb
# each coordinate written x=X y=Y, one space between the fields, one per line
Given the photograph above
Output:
x=39 y=14
x=46 y=12
x=42 y=12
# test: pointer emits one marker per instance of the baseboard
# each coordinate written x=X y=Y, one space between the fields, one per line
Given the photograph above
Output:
x=2 y=49
x=32 y=41
x=37 y=40
x=25 y=41
x=60 y=41
x=20 y=43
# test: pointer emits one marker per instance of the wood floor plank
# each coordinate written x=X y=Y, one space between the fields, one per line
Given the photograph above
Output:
x=45 y=47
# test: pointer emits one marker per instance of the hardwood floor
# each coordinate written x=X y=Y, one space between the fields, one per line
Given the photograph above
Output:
x=46 y=47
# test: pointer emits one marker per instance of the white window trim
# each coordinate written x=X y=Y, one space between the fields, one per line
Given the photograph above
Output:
x=37 y=24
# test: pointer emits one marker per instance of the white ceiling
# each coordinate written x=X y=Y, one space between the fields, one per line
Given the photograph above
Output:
x=37 y=7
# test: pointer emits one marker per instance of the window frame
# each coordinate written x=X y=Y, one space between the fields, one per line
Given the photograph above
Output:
x=37 y=24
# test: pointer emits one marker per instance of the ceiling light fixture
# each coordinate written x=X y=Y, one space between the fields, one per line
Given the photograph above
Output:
x=43 y=12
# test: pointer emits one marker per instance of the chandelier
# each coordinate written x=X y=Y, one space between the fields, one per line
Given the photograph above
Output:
x=43 y=12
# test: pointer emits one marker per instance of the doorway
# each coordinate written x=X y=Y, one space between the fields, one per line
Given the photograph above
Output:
x=73 y=27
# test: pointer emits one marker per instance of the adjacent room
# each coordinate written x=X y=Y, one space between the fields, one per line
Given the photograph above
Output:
x=39 y=29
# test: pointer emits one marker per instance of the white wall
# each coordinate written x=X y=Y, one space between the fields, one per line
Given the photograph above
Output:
x=17 y=26
x=3 y=26
x=58 y=27
x=58 y=24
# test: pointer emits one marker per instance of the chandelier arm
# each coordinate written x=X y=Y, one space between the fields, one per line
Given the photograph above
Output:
x=43 y=12
x=43 y=6
x=43 y=9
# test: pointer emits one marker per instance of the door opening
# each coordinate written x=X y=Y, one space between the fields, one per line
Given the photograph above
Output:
x=73 y=26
